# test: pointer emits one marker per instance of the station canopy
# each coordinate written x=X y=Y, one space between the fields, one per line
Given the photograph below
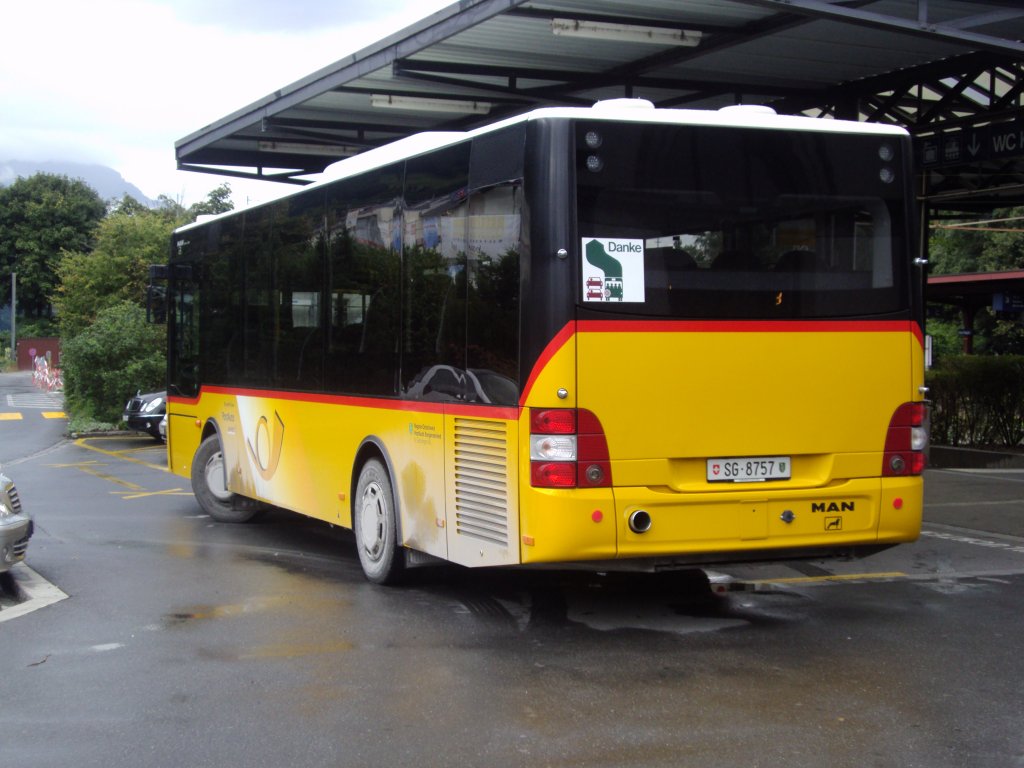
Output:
x=478 y=61
x=948 y=70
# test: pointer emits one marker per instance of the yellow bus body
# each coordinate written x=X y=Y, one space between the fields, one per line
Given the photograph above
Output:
x=670 y=395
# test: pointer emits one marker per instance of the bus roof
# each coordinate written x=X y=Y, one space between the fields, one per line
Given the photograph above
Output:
x=618 y=110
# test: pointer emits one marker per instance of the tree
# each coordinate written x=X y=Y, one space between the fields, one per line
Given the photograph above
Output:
x=953 y=249
x=110 y=360
x=116 y=270
x=218 y=200
x=997 y=246
x=40 y=217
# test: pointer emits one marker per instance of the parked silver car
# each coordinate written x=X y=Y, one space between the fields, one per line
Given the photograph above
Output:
x=15 y=525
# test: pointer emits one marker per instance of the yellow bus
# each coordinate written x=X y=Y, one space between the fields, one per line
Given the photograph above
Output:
x=615 y=337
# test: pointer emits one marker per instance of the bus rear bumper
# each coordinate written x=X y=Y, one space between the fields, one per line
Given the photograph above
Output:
x=764 y=516
x=760 y=521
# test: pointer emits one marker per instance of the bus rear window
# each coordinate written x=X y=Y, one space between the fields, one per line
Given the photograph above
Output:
x=740 y=223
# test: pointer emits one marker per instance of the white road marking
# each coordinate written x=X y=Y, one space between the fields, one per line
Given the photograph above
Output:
x=38 y=592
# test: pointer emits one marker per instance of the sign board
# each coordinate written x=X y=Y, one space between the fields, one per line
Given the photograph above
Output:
x=1007 y=302
x=1000 y=141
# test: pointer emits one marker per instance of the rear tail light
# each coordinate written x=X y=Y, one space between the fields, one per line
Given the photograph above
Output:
x=906 y=441
x=568 y=449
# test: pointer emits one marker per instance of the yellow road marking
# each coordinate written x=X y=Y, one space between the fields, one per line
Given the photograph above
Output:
x=105 y=476
x=54 y=415
x=10 y=417
x=144 y=494
x=133 y=491
x=84 y=442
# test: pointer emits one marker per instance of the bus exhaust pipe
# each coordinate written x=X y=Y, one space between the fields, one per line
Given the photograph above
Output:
x=639 y=521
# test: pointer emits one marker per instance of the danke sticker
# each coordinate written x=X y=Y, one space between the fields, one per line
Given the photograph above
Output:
x=613 y=269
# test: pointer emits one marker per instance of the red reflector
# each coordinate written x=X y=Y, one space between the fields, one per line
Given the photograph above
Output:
x=552 y=421
x=917 y=463
x=591 y=448
x=553 y=474
x=908 y=415
x=898 y=439
x=589 y=423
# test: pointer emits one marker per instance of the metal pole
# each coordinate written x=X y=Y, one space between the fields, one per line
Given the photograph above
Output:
x=14 y=304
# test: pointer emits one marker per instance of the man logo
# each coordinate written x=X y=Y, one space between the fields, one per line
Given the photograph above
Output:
x=831 y=506
x=266 y=454
x=833 y=523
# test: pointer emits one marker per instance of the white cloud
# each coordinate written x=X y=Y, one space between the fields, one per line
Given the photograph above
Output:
x=117 y=82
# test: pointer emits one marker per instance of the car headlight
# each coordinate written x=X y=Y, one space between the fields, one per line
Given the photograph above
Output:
x=152 y=405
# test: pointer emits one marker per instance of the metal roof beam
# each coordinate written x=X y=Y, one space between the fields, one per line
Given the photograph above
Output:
x=893 y=96
x=981 y=19
x=525 y=96
x=548 y=15
x=564 y=80
x=921 y=28
x=286 y=177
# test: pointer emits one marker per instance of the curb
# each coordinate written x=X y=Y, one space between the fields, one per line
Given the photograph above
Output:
x=952 y=457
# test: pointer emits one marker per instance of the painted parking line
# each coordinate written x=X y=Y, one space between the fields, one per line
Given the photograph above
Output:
x=10 y=417
x=979 y=539
x=104 y=470
x=36 y=592
x=91 y=443
x=54 y=415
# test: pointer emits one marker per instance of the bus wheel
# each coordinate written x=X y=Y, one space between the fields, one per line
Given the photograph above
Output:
x=375 y=525
x=210 y=488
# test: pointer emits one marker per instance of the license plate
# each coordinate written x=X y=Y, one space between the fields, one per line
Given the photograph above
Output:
x=753 y=469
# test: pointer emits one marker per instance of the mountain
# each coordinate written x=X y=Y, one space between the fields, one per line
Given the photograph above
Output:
x=106 y=181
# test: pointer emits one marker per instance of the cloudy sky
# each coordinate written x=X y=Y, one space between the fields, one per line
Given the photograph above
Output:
x=117 y=82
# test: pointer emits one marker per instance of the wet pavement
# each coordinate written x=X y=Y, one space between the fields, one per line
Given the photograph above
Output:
x=187 y=641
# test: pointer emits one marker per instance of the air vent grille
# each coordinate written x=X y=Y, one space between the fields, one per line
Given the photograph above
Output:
x=481 y=480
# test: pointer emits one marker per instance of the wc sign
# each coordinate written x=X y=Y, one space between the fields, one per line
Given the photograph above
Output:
x=613 y=269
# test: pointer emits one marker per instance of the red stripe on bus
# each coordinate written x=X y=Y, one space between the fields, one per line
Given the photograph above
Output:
x=559 y=341
x=417 y=406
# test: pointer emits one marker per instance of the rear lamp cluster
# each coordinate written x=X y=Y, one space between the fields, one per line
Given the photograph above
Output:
x=568 y=449
x=906 y=440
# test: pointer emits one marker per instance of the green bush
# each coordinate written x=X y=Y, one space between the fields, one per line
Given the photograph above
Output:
x=110 y=361
x=978 y=400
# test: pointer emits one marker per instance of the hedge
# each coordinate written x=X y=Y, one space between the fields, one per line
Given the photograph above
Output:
x=978 y=401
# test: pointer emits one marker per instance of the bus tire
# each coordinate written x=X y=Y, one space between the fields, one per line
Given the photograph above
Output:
x=375 y=525
x=210 y=488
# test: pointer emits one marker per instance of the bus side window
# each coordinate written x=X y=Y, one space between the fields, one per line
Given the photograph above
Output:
x=433 y=345
x=492 y=349
x=364 y=284
x=299 y=276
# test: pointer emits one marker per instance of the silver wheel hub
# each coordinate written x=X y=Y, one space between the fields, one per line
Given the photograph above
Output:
x=215 y=477
x=373 y=513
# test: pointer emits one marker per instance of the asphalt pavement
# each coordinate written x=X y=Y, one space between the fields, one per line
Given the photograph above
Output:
x=172 y=638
